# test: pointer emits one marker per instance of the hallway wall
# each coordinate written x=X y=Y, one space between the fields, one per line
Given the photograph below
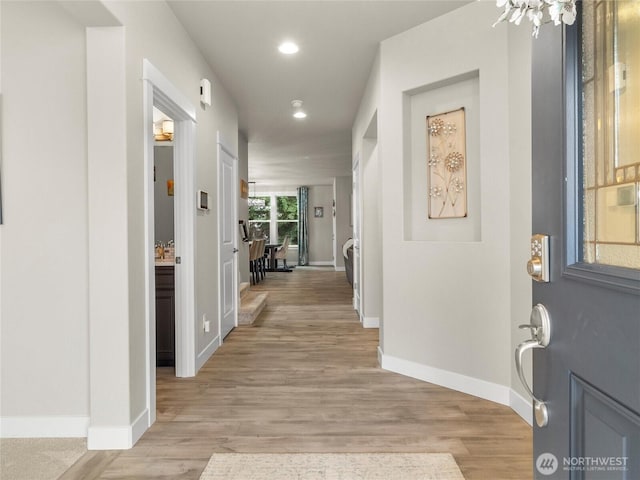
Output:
x=243 y=208
x=447 y=304
x=321 y=228
x=45 y=251
x=163 y=202
x=343 y=229
x=44 y=274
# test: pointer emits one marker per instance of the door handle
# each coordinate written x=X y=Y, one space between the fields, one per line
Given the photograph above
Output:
x=235 y=250
x=540 y=327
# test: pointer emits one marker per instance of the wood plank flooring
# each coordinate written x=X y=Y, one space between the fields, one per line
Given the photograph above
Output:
x=304 y=378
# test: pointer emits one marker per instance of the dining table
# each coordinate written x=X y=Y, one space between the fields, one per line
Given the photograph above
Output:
x=272 y=248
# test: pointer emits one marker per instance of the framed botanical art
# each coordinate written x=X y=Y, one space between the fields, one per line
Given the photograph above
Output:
x=447 y=164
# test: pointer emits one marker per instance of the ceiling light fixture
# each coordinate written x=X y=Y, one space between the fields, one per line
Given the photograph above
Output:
x=163 y=130
x=288 y=48
x=297 y=109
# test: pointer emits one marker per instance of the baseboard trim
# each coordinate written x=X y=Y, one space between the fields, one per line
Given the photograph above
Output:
x=117 y=438
x=44 y=427
x=205 y=354
x=140 y=425
x=110 y=438
x=521 y=406
x=370 y=322
x=444 y=378
x=323 y=263
x=340 y=269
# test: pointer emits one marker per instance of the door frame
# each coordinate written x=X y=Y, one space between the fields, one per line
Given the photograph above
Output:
x=160 y=92
x=222 y=145
x=357 y=240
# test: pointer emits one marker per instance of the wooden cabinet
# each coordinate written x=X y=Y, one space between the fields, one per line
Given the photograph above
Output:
x=165 y=316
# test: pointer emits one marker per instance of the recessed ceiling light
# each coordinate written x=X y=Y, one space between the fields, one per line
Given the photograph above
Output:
x=297 y=109
x=288 y=48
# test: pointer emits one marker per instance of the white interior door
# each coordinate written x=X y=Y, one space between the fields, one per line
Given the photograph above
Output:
x=227 y=221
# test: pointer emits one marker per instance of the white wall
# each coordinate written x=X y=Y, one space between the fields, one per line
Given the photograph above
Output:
x=154 y=33
x=342 y=227
x=44 y=273
x=520 y=199
x=45 y=236
x=365 y=146
x=321 y=229
x=371 y=242
x=243 y=208
x=163 y=202
x=448 y=305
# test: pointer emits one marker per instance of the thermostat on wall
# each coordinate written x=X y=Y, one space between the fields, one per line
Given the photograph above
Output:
x=203 y=200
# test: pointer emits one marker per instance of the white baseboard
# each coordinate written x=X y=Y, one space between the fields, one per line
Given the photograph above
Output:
x=370 y=322
x=521 y=406
x=323 y=263
x=455 y=381
x=340 y=269
x=117 y=438
x=44 y=427
x=140 y=425
x=110 y=438
x=205 y=354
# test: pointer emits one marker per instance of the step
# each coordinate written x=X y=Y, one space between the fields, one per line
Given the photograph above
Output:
x=244 y=289
x=252 y=305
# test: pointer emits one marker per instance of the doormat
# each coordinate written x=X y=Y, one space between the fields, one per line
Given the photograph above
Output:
x=331 y=466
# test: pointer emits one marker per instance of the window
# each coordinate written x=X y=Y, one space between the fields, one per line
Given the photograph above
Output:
x=274 y=217
x=610 y=119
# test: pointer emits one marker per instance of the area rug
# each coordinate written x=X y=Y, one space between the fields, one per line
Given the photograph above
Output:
x=38 y=458
x=332 y=466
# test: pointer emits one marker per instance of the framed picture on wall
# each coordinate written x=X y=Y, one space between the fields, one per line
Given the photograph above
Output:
x=318 y=212
x=447 y=164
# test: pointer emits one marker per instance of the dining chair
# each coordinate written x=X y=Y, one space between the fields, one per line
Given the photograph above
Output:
x=253 y=256
x=260 y=260
x=281 y=253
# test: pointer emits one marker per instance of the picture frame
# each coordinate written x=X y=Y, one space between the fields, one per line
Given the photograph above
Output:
x=447 y=164
x=318 y=212
x=244 y=189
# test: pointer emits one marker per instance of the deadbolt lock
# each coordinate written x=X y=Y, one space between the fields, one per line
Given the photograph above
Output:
x=538 y=265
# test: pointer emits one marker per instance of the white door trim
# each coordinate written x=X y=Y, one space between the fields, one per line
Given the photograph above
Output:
x=224 y=146
x=357 y=235
x=159 y=91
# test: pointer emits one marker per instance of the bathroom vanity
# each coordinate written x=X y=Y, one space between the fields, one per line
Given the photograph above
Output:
x=165 y=314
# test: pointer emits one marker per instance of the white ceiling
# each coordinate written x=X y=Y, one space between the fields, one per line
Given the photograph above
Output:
x=338 y=42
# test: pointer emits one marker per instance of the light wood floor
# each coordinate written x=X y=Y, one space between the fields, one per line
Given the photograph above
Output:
x=304 y=378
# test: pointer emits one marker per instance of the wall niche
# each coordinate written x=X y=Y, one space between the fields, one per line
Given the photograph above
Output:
x=462 y=91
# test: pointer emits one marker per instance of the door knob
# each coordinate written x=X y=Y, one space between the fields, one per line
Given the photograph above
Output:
x=540 y=327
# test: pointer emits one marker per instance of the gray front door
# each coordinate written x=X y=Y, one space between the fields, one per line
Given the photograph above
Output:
x=586 y=185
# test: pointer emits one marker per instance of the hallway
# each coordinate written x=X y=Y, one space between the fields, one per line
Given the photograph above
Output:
x=304 y=378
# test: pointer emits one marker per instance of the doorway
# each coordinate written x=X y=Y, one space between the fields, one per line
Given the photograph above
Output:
x=164 y=244
x=160 y=93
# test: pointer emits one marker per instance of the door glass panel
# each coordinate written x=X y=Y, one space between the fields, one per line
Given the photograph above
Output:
x=611 y=128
